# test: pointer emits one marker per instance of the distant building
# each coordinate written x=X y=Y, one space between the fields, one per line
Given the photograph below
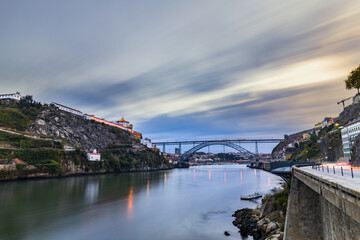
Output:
x=15 y=96
x=177 y=151
x=138 y=135
x=68 y=109
x=306 y=136
x=16 y=160
x=327 y=121
x=94 y=156
x=123 y=122
x=147 y=142
x=288 y=152
x=356 y=98
x=69 y=148
x=348 y=135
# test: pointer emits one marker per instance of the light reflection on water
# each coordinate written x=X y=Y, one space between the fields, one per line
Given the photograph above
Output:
x=177 y=204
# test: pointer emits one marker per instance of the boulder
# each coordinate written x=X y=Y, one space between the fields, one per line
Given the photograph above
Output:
x=271 y=227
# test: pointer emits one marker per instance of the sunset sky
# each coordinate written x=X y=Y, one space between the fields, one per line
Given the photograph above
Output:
x=189 y=69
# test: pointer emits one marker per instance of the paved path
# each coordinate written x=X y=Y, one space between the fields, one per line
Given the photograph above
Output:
x=346 y=181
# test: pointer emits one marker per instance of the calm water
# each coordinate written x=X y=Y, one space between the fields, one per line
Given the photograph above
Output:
x=195 y=203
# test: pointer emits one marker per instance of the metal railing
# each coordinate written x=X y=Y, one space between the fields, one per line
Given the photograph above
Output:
x=333 y=170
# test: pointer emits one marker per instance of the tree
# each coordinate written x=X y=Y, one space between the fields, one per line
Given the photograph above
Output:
x=353 y=79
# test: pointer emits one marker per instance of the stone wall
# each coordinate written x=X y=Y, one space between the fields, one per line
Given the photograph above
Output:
x=319 y=208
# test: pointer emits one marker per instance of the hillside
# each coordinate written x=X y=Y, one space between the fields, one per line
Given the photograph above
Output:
x=85 y=134
x=37 y=134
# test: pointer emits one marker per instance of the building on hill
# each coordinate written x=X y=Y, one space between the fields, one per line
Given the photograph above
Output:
x=124 y=123
x=17 y=161
x=138 y=136
x=94 y=156
x=15 y=96
x=356 y=98
x=68 y=109
x=348 y=134
x=147 y=142
x=327 y=121
x=306 y=136
x=288 y=152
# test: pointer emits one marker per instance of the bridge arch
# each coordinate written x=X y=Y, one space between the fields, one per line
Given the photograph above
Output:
x=188 y=153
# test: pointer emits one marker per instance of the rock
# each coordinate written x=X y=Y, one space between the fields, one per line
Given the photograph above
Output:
x=79 y=131
x=227 y=233
x=271 y=227
x=274 y=237
x=260 y=223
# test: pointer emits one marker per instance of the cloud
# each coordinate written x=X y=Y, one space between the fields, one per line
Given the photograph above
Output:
x=190 y=69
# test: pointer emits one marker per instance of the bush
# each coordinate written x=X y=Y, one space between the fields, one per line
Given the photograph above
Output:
x=19 y=166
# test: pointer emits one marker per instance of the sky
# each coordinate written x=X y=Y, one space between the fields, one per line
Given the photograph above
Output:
x=183 y=70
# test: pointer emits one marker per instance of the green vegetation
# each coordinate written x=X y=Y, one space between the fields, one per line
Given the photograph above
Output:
x=307 y=150
x=20 y=115
x=19 y=141
x=117 y=160
x=353 y=79
x=281 y=200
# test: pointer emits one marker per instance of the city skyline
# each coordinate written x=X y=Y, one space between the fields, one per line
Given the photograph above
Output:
x=185 y=70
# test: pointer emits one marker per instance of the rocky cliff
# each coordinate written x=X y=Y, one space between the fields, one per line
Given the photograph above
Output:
x=331 y=146
x=350 y=112
x=78 y=131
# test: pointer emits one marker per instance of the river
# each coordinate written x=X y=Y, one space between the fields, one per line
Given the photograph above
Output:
x=180 y=204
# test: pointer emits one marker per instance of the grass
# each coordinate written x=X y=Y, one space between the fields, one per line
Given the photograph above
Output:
x=19 y=141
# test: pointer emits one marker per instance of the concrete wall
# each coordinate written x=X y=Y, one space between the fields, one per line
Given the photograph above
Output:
x=303 y=217
x=321 y=209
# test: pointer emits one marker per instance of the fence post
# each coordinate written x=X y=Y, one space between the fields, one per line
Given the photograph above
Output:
x=334 y=169
x=322 y=166
x=327 y=168
x=342 y=173
x=352 y=173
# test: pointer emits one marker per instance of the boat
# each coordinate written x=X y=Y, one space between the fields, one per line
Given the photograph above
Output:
x=251 y=197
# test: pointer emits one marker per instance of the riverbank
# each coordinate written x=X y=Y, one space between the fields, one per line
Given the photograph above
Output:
x=12 y=176
x=267 y=220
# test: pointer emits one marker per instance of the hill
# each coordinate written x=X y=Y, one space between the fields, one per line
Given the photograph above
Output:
x=37 y=134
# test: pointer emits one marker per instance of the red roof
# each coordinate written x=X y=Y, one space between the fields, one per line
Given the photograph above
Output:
x=94 y=153
x=16 y=160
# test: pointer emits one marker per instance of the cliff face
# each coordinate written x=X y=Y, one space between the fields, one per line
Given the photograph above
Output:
x=80 y=132
x=355 y=149
x=331 y=146
x=350 y=112
x=275 y=154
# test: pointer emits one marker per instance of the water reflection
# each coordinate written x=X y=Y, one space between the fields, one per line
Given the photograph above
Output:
x=92 y=192
x=117 y=206
x=147 y=188
x=130 y=202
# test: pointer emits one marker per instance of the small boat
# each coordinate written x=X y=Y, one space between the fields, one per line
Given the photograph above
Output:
x=251 y=197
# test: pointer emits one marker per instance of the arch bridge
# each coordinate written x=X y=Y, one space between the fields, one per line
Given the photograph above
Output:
x=232 y=143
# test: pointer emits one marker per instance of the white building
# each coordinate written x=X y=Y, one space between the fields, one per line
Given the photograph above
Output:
x=348 y=135
x=15 y=96
x=94 y=156
x=147 y=142
x=68 y=109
